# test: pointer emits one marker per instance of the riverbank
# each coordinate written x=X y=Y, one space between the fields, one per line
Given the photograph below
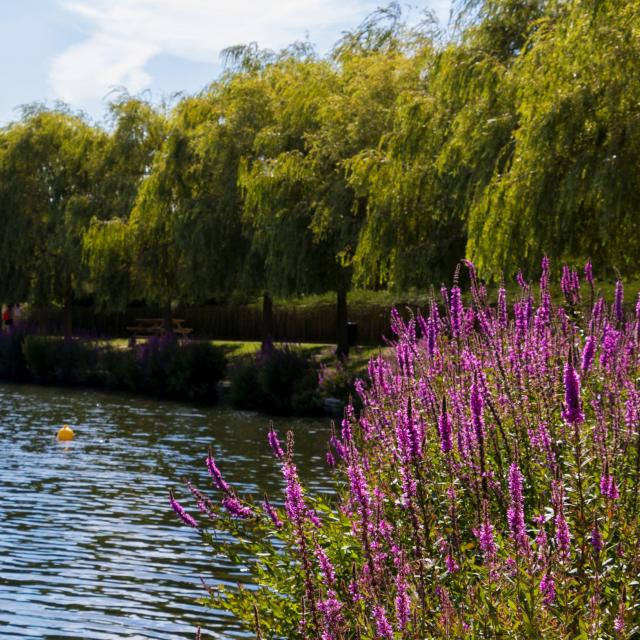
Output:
x=282 y=380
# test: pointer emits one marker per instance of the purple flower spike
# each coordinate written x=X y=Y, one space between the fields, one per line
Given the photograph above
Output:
x=444 y=429
x=587 y=353
x=596 y=539
x=547 y=589
x=383 y=628
x=274 y=443
x=457 y=311
x=563 y=535
x=515 y=513
x=486 y=539
x=619 y=299
x=403 y=603
x=477 y=406
x=236 y=508
x=215 y=474
x=503 y=318
x=588 y=273
x=572 y=412
x=272 y=513
x=182 y=514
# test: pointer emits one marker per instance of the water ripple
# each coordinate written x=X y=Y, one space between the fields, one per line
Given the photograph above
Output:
x=88 y=545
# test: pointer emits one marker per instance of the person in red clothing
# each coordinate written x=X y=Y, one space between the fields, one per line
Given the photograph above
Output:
x=7 y=316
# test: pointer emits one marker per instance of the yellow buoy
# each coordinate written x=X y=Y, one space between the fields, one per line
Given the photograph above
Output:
x=66 y=433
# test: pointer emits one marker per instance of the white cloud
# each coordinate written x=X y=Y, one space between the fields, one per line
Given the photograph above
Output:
x=124 y=35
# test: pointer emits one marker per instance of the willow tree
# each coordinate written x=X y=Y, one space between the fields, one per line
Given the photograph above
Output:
x=305 y=215
x=572 y=185
x=135 y=135
x=451 y=132
x=281 y=194
x=185 y=227
x=47 y=171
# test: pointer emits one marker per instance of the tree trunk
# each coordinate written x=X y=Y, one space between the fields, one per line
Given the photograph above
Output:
x=167 y=317
x=67 y=315
x=342 y=350
x=267 y=321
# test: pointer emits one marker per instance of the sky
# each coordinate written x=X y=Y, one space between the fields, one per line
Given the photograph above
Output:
x=82 y=51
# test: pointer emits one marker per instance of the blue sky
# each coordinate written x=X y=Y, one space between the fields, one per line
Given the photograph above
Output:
x=78 y=51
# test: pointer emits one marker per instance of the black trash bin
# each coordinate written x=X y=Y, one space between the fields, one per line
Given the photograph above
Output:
x=352 y=333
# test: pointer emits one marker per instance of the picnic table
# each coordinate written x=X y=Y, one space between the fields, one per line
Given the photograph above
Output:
x=147 y=327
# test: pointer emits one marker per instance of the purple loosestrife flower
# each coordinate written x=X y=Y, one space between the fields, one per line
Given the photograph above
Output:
x=338 y=446
x=457 y=311
x=182 y=514
x=619 y=299
x=383 y=628
x=609 y=345
x=588 y=273
x=414 y=432
x=608 y=486
x=402 y=603
x=325 y=565
x=274 y=443
x=596 y=539
x=572 y=412
x=547 y=589
x=477 y=406
x=444 y=429
x=451 y=564
x=236 y=508
x=272 y=513
x=486 y=540
x=331 y=610
x=215 y=474
x=544 y=276
x=588 y=353
x=515 y=513
x=204 y=504
x=563 y=535
x=331 y=461
x=521 y=281
x=503 y=318
x=294 y=501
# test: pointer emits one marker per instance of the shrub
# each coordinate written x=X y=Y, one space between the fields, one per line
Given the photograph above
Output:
x=339 y=381
x=245 y=387
x=278 y=380
x=160 y=367
x=53 y=360
x=165 y=368
x=13 y=365
x=489 y=487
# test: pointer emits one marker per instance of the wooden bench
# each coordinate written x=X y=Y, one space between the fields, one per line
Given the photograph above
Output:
x=148 y=327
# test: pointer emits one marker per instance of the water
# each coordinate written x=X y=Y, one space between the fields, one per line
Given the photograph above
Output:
x=89 y=547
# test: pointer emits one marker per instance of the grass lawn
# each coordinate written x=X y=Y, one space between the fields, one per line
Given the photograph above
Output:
x=324 y=353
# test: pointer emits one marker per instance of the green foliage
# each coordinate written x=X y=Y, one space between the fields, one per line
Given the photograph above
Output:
x=571 y=186
x=161 y=367
x=12 y=361
x=377 y=166
x=60 y=361
x=47 y=171
x=279 y=380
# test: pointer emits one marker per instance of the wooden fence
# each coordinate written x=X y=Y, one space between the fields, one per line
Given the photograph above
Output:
x=293 y=324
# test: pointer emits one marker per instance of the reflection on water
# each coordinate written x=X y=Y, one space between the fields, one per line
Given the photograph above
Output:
x=89 y=547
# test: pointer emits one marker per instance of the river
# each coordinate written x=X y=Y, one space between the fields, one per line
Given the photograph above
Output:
x=89 y=547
